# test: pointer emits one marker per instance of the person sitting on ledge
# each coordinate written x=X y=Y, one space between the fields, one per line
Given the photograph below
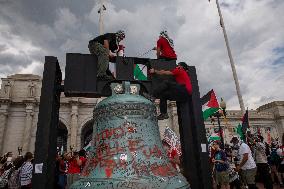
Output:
x=179 y=91
x=102 y=46
x=165 y=47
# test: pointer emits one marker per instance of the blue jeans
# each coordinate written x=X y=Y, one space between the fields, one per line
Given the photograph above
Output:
x=62 y=180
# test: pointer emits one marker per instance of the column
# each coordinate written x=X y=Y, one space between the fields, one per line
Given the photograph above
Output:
x=74 y=124
x=28 y=127
x=3 y=125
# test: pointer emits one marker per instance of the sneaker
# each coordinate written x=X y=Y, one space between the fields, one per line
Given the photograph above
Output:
x=163 y=116
x=149 y=97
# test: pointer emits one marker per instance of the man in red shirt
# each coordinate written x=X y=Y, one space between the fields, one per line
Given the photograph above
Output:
x=165 y=47
x=75 y=164
x=179 y=91
x=74 y=169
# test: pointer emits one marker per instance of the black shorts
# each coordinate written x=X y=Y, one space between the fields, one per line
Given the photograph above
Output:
x=281 y=168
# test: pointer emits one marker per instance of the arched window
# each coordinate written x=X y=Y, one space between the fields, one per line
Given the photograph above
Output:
x=62 y=135
x=87 y=133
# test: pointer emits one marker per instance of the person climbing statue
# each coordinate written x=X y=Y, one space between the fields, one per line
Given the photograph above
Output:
x=177 y=91
x=103 y=46
x=165 y=47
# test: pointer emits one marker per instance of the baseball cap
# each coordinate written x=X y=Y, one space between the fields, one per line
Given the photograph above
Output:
x=184 y=65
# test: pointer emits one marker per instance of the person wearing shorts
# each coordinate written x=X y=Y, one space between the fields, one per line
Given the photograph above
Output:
x=221 y=167
x=247 y=166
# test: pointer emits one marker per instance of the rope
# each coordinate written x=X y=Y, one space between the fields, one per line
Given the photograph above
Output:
x=143 y=54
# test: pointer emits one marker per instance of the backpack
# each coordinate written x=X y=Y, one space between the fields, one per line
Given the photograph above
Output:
x=14 y=181
x=274 y=157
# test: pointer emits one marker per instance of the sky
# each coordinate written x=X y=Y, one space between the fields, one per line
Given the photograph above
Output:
x=33 y=29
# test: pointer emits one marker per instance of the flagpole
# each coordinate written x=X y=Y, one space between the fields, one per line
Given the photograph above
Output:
x=101 y=22
x=231 y=60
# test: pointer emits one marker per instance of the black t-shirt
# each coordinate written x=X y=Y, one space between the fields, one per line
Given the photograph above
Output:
x=111 y=37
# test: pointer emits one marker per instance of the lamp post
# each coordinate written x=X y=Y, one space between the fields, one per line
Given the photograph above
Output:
x=219 y=114
x=223 y=106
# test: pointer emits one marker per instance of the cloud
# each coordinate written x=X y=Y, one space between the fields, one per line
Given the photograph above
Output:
x=30 y=30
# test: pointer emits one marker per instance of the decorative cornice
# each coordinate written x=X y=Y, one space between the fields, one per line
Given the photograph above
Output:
x=270 y=105
x=35 y=103
x=6 y=102
x=29 y=101
x=24 y=77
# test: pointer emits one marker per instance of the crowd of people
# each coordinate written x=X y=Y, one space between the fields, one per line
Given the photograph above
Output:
x=16 y=172
x=251 y=164
x=254 y=164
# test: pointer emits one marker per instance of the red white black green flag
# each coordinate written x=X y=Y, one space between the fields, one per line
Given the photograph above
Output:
x=211 y=104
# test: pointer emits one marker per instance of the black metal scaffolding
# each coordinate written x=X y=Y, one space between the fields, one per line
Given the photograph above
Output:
x=81 y=81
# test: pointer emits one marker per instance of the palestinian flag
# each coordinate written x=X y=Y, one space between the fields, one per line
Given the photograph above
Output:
x=214 y=137
x=140 y=72
x=239 y=131
x=88 y=147
x=210 y=104
x=245 y=122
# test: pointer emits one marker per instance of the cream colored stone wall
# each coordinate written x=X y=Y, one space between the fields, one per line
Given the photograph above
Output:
x=19 y=106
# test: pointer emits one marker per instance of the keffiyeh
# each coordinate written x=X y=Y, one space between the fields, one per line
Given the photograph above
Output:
x=120 y=34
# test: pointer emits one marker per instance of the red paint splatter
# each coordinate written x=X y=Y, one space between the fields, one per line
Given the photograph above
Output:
x=108 y=172
x=130 y=129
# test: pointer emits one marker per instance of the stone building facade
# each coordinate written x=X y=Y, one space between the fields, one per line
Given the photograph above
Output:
x=19 y=106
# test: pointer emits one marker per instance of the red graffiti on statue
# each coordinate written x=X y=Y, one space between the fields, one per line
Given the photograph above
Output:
x=108 y=133
x=163 y=170
x=133 y=144
x=152 y=152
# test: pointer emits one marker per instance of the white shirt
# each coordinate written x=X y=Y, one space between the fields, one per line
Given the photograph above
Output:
x=244 y=149
x=26 y=173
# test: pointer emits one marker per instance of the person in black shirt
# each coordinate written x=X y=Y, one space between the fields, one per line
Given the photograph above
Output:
x=221 y=166
x=102 y=46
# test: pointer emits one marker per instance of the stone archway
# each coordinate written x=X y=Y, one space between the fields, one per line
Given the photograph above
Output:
x=62 y=137
x=87 y=133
